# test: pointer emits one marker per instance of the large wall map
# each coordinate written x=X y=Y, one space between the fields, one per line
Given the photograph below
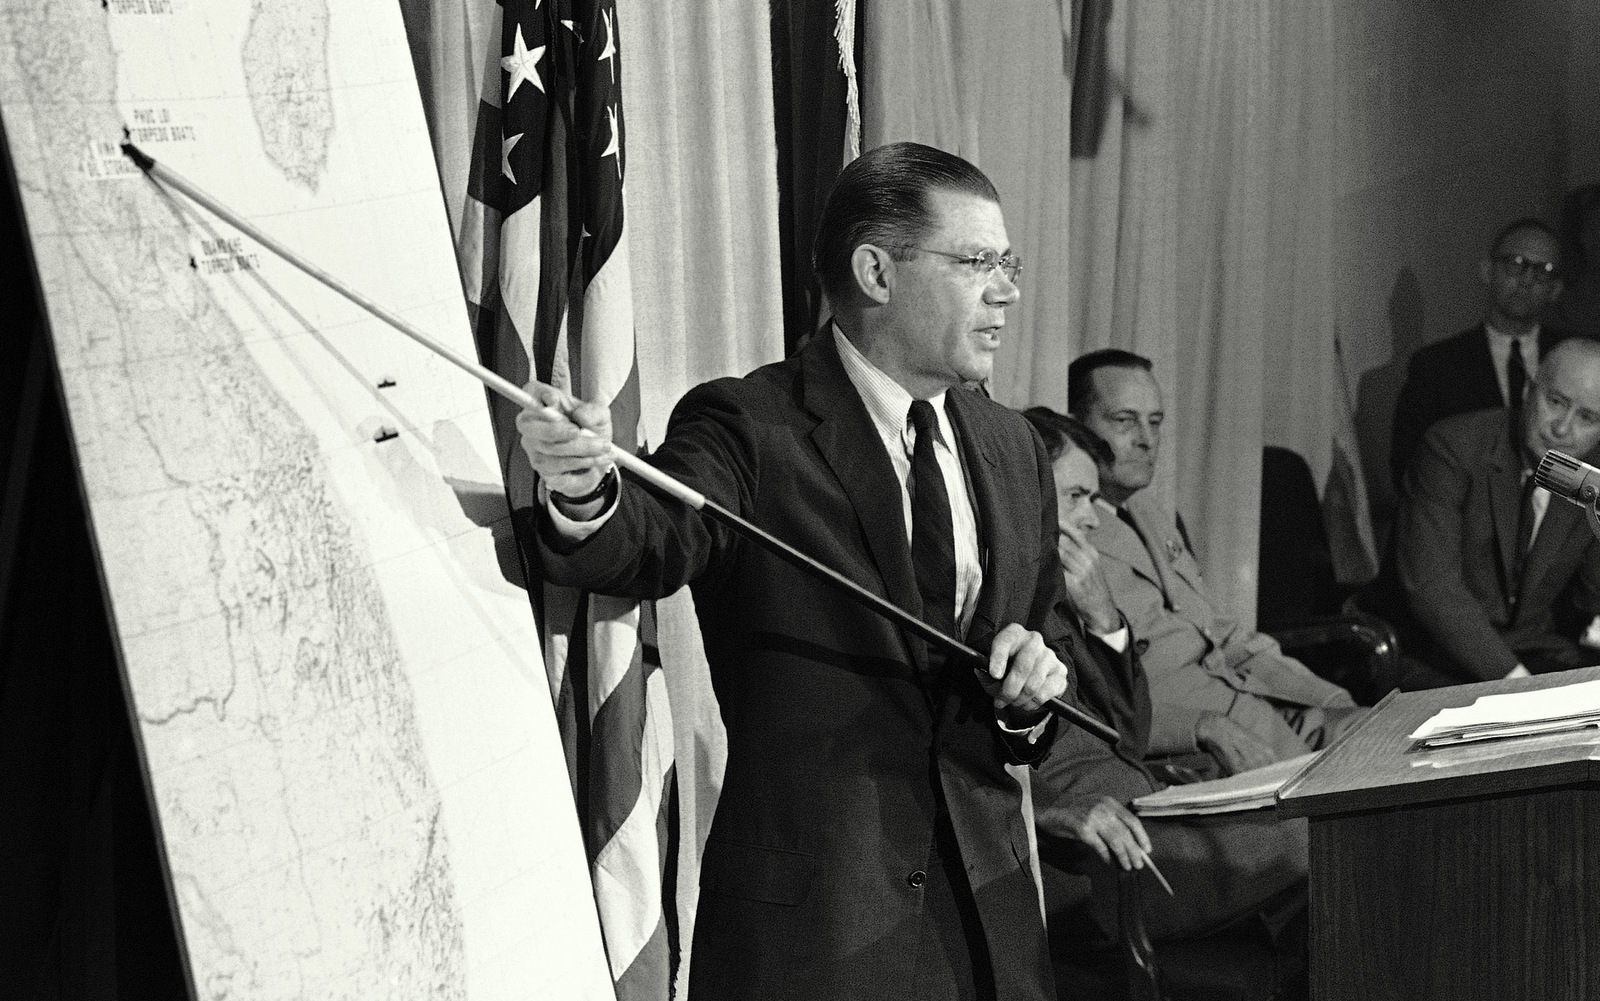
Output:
x=338 y=688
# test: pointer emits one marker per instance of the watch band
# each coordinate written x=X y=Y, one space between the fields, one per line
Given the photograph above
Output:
x=598 y=492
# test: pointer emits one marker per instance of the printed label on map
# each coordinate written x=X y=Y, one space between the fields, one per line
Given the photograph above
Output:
x=103 y=161
x=223 y=255
x=156 y=125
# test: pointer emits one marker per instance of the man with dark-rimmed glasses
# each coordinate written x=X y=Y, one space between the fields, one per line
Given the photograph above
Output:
x=1487 y=365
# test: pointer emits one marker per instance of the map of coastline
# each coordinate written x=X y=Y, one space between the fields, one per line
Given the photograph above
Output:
x=286 y=70
x=337 y=821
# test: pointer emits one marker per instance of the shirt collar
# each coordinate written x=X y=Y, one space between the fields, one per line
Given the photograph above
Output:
x=887 y=401
x=1533 y=332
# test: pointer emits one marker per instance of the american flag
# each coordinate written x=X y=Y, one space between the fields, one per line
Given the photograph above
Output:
x=544 y=251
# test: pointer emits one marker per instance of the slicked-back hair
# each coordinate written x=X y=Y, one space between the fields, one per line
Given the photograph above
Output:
x=881 y=198
x=1505 y=232
x=1058 y=430
x=1080 y=374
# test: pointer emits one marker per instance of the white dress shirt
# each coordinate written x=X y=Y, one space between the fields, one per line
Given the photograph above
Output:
x=889 y=406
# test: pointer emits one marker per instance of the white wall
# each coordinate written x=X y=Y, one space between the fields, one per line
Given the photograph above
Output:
x=1457 y=117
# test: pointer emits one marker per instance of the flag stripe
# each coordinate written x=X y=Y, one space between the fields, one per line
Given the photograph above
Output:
x=617 y=781
x=545 y=260
x=630 y=859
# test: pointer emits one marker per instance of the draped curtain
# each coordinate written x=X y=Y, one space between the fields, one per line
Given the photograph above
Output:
x=1199 y=234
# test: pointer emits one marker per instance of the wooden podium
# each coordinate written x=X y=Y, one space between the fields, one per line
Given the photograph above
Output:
x=1458 y=873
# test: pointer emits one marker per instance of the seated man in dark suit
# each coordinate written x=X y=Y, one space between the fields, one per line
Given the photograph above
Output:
x=1480 y=554
x=1486 y=365
x=1226 y=868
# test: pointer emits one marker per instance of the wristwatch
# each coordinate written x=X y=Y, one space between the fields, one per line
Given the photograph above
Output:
x=598 y=492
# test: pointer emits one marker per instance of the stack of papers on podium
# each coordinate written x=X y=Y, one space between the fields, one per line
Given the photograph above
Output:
x=1250 y=790
x=1514 y=714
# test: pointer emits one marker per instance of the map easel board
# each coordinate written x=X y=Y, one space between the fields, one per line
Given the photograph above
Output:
x=332 y=664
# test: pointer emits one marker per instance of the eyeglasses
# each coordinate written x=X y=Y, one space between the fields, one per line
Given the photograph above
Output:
x=984 y=262
x=1518 y=266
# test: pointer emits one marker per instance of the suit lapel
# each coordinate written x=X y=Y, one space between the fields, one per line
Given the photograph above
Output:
x=1547 y=339
x=1562 y=531
x=1116 y=539
x=1161 y=548
x=980 y=464
x=1485 y=381
x=848 y=441
x=1161 y=536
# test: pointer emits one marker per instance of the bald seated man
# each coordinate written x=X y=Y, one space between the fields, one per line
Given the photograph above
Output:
x=1480 y=552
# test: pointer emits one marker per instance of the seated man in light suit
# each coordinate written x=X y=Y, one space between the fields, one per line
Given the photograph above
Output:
x=1215 y=686
x=1226 y=868
x=1480 y=553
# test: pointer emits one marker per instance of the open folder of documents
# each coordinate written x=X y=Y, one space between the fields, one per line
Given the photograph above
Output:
x=1514 y=714
x=1250 y=790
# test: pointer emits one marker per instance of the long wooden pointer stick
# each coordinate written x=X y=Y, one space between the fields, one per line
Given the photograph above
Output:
x=632 y=463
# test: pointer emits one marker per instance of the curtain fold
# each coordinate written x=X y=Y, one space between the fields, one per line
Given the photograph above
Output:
x=992 y=84
x=1200 y=233
x=708 y=297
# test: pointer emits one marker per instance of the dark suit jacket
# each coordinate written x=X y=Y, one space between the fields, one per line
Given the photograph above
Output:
x=838 y=726
x=1445 y=378
x=1455 y=541
x=1222 y=867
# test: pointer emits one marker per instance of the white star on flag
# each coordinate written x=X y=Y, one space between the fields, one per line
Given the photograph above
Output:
x=608 y=54
x=505 y=156
x=522 y=64
x=613 y=148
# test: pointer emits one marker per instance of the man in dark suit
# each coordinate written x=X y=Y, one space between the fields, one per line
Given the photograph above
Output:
x=869 y=842
x=1226 y=868
x=1487 y=365
x=1480 y=552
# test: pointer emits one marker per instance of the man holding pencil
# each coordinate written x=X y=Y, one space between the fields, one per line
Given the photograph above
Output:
x=1240 y=869
x=869 y=842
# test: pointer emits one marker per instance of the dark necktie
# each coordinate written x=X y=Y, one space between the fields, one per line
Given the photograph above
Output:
x=933 y=542
x=1516 y=375
x=1525 y=521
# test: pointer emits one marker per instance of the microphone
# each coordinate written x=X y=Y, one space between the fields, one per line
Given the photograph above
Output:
x=1568 y=478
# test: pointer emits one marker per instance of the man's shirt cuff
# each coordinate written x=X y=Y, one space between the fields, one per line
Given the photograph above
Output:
x=577 y=531
x=1033 y=732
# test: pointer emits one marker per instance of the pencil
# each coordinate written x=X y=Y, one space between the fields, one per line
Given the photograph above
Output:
x=1157 y=874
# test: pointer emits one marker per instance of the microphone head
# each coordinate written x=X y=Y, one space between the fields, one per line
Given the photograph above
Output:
x=1563 y=476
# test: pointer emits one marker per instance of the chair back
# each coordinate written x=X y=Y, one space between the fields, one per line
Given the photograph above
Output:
x=1295 y=578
